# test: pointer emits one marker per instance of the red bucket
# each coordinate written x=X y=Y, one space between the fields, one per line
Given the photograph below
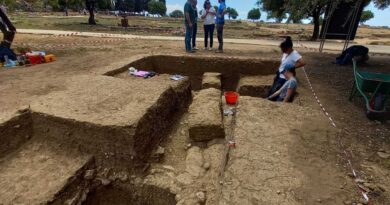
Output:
x=231 y=97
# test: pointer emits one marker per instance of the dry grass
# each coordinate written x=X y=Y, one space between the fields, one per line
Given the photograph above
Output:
x=174 y=27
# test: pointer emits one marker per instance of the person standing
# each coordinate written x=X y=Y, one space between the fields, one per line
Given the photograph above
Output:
x=208 y=15
x=189 y=19
x=220 y=23
x=195 y=26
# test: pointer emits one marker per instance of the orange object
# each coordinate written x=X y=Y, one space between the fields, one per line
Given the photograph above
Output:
x=50 y=58
x=231 y=97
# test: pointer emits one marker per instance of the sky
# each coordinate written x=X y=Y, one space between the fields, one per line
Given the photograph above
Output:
x=381 y=16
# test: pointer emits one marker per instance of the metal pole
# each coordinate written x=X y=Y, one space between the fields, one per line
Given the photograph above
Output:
x=352 y=25
x=329 y=17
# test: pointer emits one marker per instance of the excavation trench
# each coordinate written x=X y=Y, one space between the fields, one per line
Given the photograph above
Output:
x=230 y=69
x=72 y=131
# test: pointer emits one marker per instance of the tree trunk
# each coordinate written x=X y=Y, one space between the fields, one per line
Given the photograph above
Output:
x=316 y=21
x=90 y=4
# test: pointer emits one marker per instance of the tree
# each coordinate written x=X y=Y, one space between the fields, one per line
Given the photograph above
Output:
x=63 y=4
x=382 y=4
x=232 y=13
x=53 y=4
x=366 y=15
x=90 y=4
x=125 y=5
x=9 y=3
x=254 y=14
x=302 y=9
x=274 y=8
x=176 y=14
x=157 y=7
x=104 y=4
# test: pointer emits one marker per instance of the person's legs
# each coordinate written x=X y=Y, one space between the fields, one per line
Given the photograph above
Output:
x=212 y=27
x=206 y=34
x=220 y=36
x=278 y=83
x=194 y=31
x=8 y=30
x=188 y=38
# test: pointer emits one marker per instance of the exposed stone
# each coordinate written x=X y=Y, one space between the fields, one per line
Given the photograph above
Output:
x=188 y=146
x=83 y=197
x=206 y=166
x=278 y=192
x=370 y=186
x=348 y=202
x=381 y=187
x=73 y=200
x=205 y=119
x=383 y=155
x=138 y=181
x=185 y=179
x=167 y=167
x=158 y=154
x=105 y=182
x=194 y=162
x=90 y=174
x=201 y=197
x=359 y=181
x=105 y=173
x=124 y=177
x=363 y=188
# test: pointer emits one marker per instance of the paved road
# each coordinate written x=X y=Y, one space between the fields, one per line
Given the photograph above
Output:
x=330 y=46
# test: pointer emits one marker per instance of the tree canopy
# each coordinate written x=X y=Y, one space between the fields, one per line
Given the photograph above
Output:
x=366 y=15
x=157 y=7
x=296 y=10
x=176 y=14
x=254 y=14
x=232 y=13
x=125 y=5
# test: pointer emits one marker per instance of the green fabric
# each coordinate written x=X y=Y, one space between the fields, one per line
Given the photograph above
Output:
x=189 y=9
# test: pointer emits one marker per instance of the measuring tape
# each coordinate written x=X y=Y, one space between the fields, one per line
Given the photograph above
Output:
x=342 y=146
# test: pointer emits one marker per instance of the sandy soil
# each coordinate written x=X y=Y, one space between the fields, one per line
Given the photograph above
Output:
x=36 y=172
x=317 y=162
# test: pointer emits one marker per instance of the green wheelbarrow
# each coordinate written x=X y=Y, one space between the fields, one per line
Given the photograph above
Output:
x=375 y=89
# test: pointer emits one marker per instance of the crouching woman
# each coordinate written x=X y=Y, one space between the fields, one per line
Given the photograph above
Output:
x=287 y=92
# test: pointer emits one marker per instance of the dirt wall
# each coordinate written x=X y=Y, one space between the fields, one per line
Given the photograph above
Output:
x=15 y=133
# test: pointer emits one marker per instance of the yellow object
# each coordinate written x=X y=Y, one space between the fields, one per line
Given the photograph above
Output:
x=50 y=58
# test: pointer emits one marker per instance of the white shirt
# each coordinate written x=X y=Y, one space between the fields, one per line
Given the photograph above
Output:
x=210 y=18
x=288 y=60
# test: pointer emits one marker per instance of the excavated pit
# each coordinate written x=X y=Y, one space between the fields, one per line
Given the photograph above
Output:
x=115 y=123
x=231 y=69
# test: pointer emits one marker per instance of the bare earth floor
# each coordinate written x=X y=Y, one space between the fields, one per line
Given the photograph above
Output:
x=59 y=119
